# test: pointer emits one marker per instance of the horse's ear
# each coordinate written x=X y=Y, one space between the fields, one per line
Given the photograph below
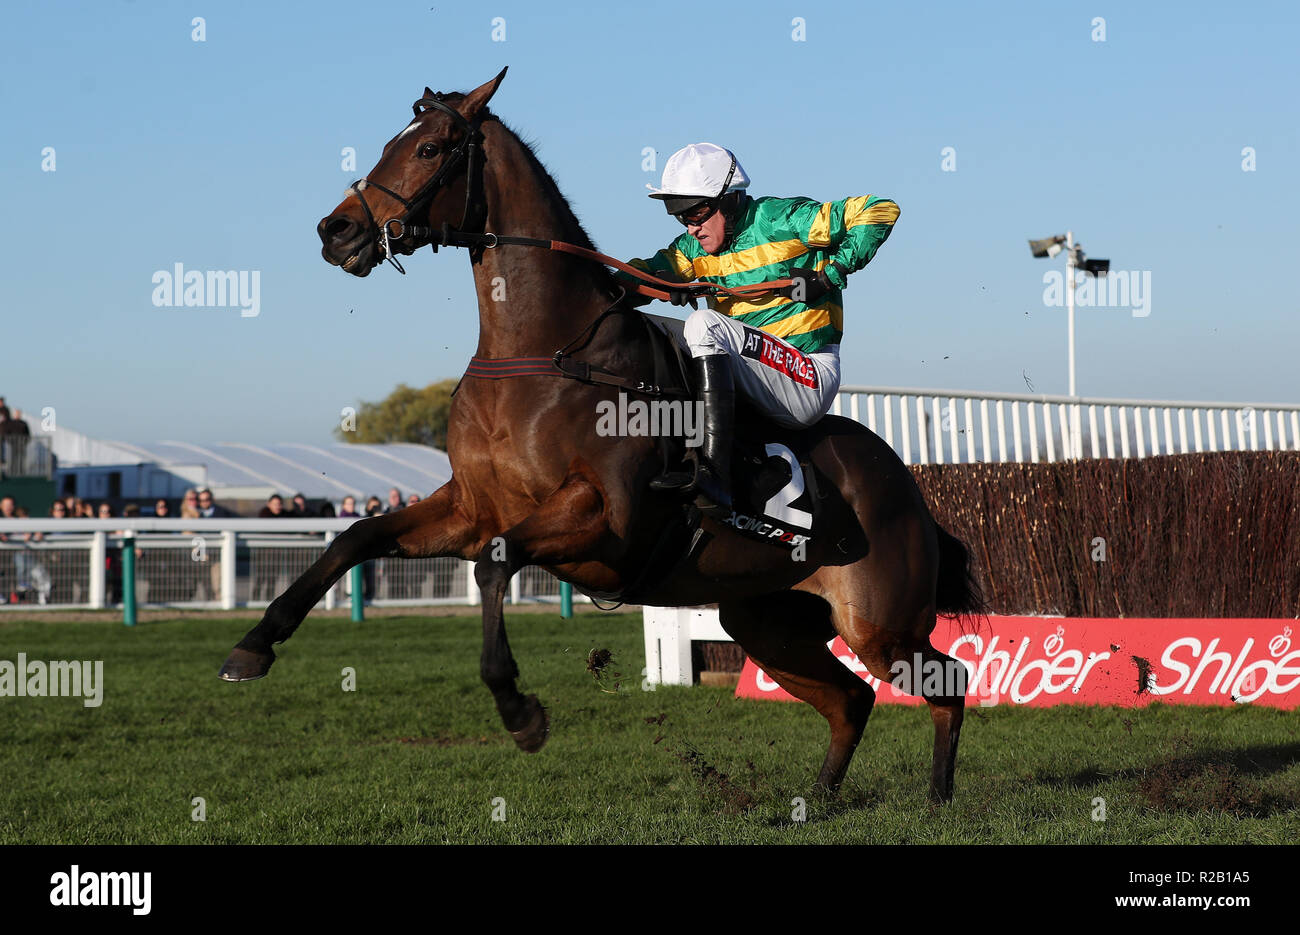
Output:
x=477 y=99
x=428 y=91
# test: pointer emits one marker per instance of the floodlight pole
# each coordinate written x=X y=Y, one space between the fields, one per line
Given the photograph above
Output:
x=1076 y=446
x=1069 y=298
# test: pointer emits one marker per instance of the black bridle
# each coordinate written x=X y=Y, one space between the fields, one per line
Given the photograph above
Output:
x=469 y=153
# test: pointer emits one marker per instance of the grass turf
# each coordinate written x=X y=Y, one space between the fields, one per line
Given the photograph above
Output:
x=416 y=754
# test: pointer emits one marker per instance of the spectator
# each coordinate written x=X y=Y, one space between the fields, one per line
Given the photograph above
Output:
x=327 y=510
x=113 y=560
x=33 y=576
x=190 y=499
x=13 y=439
x=300 y=506
x=7 y=511
x=15 y=424
x=60 y=595
x=413 y=499
x=274 y=508
x=207 y=571
x=263 y=559
x=391 y=569
x=373 y=508
x=208 y=508
x=87 y=509
x=161 y=510
x=349 y=507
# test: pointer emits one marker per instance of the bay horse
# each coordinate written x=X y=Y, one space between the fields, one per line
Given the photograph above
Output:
x=534 y=482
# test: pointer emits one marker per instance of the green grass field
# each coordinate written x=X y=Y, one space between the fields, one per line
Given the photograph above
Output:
x=416 y=753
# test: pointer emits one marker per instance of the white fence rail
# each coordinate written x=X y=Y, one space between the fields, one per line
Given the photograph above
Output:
x=955 y=426
x=217 y=563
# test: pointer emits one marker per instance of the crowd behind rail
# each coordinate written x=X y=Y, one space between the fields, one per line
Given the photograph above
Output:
x=195 y=503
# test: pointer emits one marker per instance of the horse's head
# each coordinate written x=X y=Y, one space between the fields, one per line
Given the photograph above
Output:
x=428 y=176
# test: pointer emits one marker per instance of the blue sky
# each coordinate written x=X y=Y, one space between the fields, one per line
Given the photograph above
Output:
x=224 y=154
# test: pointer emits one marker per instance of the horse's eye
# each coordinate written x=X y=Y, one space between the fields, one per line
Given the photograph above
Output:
x=428 y=150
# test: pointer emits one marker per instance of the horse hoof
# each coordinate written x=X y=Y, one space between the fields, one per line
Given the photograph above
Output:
x=939 y=797
x=532 y=736
x=243 y=665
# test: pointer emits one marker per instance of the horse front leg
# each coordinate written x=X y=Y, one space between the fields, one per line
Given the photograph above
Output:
x=564 y=528
x=433 y=527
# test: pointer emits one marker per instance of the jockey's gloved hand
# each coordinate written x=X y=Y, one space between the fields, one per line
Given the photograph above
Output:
x=808 y=285
x=634 y=299
x=681 y=297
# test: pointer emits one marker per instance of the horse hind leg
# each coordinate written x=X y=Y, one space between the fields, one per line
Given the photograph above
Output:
x=786 y=634
x=907 y=659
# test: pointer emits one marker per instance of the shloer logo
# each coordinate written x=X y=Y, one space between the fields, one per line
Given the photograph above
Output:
x=1234 y=676
x=998 y=672
x=76 y=888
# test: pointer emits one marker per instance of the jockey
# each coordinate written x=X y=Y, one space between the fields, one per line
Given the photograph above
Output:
x=786 y=345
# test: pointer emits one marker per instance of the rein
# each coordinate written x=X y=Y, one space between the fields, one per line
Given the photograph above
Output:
x=470 y=152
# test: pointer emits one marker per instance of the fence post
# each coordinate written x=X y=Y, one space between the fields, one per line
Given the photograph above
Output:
x=358 y=598
x=98 y=558
x=566 y=600
x=471 y=585
x=331 y=596
x=228 y=546
x=128 y=577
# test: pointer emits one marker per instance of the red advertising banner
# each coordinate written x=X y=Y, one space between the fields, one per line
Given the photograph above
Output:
x=1041 y=661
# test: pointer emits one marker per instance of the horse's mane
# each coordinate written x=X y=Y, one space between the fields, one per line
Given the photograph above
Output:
x=573 y=231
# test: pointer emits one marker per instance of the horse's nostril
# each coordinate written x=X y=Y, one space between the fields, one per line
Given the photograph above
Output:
x=336 y=228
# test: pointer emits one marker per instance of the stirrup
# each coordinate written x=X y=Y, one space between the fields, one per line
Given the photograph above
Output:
x=712 y=494
x=673 y=482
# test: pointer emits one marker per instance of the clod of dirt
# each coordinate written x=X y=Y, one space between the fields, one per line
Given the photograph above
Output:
x=735 y=800
x=1144 y=673
x=597 y=660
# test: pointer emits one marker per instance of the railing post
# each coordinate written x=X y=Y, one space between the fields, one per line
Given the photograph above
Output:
x=128 y=577
x=98 y=559
x=471 y=585
x=229 y=542
x=566 y=600
x=358 y=595
x=330 y=600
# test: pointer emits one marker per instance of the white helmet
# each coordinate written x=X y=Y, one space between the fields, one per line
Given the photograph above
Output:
x=699 y=172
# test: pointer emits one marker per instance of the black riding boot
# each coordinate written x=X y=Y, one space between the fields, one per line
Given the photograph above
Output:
x=712 y=480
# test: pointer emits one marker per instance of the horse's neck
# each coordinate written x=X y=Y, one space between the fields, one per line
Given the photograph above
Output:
x=532 y=301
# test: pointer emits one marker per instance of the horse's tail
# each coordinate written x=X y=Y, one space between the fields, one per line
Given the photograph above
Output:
x=958 y=594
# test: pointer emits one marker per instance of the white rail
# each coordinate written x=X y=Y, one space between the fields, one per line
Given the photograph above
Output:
x=217 y=563
x=932 y=426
